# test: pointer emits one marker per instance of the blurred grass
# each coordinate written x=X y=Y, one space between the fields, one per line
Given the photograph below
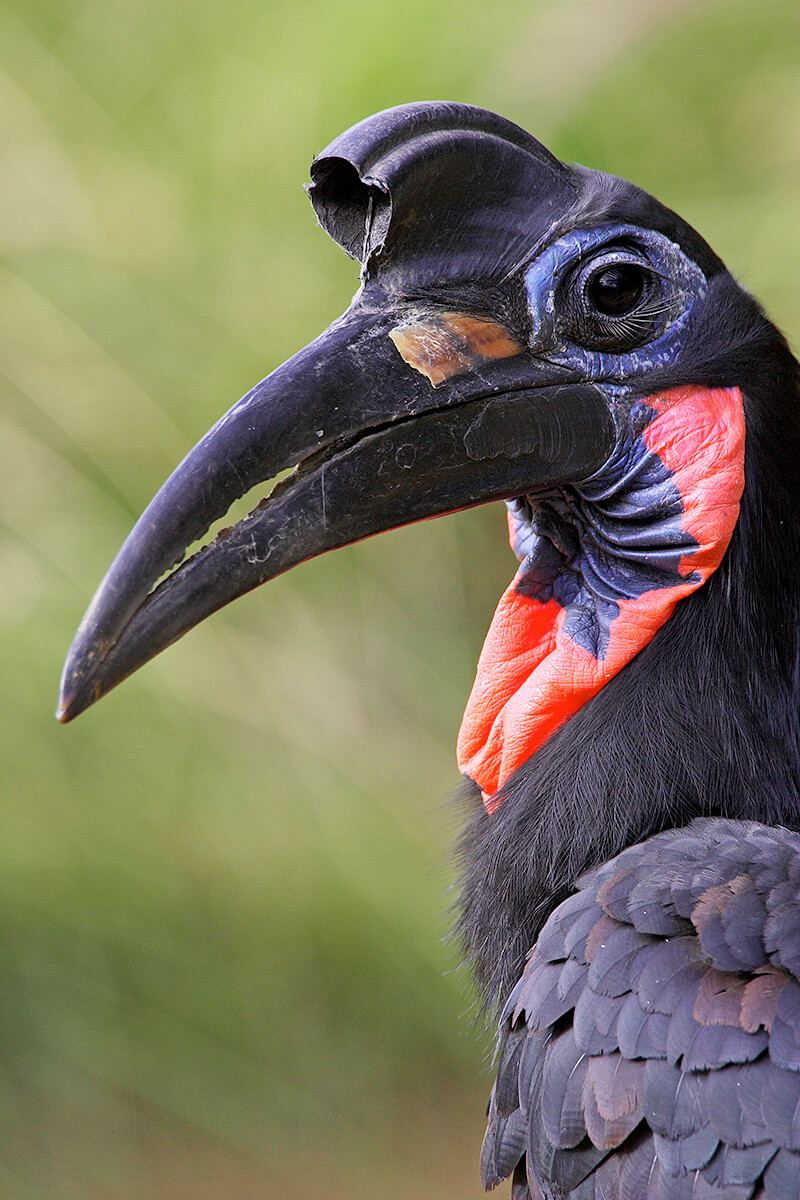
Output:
x=223 y=892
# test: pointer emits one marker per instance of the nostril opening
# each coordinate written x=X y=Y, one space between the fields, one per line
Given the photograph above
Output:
x=353 y=213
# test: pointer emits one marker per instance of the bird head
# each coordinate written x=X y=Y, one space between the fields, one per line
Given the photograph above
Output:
x=524 y=331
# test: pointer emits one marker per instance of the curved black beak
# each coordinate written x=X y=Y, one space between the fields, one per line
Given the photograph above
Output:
x=422 y=399
x=374 y=445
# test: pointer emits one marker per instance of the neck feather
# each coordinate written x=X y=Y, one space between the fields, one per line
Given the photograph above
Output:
x=603 y=566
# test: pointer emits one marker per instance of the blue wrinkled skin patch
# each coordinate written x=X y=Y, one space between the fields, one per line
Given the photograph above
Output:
x=684 y=283
x=617 y=535
x=614 y=537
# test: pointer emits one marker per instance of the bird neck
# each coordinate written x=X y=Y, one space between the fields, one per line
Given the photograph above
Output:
x=603 y=565
x=703 y=720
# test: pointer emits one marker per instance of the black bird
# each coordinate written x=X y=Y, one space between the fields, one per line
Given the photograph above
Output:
x=554 y=337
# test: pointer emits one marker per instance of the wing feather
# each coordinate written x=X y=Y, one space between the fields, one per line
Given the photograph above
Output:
x=651 y=1049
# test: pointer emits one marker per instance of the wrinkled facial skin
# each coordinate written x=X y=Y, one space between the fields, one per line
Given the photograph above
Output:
x=605 y=561
x=626 y=350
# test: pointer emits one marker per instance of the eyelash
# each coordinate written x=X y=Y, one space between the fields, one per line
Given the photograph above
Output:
x=589 y=327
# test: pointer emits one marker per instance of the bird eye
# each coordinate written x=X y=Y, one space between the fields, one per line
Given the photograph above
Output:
x=616 y=290
x=614 y=302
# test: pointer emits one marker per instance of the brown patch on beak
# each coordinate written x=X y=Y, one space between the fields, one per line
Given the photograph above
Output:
x=449 y=344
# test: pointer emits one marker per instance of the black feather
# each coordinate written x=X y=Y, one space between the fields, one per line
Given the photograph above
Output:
x=543 y=993
x=631 y=1174
x=613 y=959
x=503 y=1147
x=595 y=1021
x=780 y=1107
x=672 y=1100
x=520 y=1189
x=573 y=919
x=563 y=1074
x=680 y=1156
x=506 y=1095
x=735 y=1165
x=733 y=1104
x=669 y=968
x=782 y=1177
x=530 y=1066
x=641 y=1034
x=695 y=1186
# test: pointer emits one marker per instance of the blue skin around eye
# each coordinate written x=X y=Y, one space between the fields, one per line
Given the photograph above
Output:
x=618 y=534
x=685 y=286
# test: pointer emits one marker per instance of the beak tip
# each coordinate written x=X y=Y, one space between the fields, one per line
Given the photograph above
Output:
x=75 y=696
x=70 y=707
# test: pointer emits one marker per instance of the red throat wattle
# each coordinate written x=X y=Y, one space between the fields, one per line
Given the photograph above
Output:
x=532 y=675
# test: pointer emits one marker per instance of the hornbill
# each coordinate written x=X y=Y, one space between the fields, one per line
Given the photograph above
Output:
x=551 y=336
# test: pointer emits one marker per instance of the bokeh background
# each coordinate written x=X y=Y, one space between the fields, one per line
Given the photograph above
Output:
x=224 y=966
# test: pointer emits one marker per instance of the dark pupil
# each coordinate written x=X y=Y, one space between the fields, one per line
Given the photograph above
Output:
x=617 y=289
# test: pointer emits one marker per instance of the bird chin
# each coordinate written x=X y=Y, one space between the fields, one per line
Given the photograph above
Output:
x=542 y=540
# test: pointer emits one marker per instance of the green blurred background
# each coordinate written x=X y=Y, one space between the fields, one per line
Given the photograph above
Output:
x=224 y=892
